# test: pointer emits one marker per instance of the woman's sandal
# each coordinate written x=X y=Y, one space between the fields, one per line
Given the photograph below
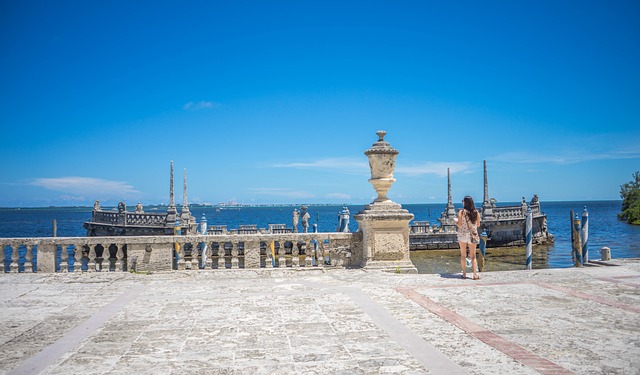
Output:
x=476 y=277
x=463 y=276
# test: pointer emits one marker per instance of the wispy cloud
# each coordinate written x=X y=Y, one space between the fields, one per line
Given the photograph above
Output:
x=84 y=185
x=348 y=165
x=435 y=168
x=569 y=157
x=282 y=192
x=200 y=105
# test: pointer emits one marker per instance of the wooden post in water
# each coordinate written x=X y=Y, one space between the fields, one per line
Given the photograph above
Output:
x=529 y=237
x=55 y=228
x=585 y=235
x=575 y=236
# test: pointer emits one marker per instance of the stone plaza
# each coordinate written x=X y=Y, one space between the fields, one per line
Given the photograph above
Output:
x=322 y=321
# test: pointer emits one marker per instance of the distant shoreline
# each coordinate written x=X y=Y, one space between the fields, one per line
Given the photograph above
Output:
x=198 y=205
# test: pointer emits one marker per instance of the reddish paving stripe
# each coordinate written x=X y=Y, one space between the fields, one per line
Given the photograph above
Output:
x=620 y=280
x=590 y=297
x=498 y=342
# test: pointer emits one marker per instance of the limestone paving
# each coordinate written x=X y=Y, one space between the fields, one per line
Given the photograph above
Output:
x=322 y=321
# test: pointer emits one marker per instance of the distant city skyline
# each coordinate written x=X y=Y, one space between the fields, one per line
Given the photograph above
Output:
x=277 y=102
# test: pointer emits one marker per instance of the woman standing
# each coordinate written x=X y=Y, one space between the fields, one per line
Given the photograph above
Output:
x=468 y=221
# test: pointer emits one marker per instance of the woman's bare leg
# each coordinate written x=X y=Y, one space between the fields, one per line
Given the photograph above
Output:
x=474 y=261
x=463 y=258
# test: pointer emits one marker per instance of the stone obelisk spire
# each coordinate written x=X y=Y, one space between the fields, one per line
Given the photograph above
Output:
x=172 y=203
x=186 y=220
x=185 y=204
x=487 y=207
x=171 y=210
x=449 y=213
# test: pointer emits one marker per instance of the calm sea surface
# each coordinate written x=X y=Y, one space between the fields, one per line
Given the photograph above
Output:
x=604 y=230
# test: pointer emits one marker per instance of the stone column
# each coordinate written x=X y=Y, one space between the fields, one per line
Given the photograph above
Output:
x=28 y=257
x=64 y=256
x=282 y=255
x=234 y=255
x=207 y=253
x=14 y=266
x=91 y=265
x=222 y=264
x=120 y=263
x=384 y=223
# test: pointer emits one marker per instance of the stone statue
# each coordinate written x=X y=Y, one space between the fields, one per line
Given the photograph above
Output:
x=534 y=200
x=122 y=207
x=296 y=216
x=139 y=208
x=305 y=219
x=96 y=206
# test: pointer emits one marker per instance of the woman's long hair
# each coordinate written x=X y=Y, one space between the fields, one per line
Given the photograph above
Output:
x=470 y=207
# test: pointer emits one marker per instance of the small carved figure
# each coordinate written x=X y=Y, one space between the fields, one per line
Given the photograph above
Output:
x=122 y=207
x=534 y=200
x=305 y=220
x=139 y=208
x=96 y=206
x=296 y=216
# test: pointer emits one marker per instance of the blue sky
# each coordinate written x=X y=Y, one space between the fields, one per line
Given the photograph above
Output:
x=276 y=102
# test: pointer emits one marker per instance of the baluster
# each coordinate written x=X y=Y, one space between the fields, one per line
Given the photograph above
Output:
x=64 y=255
x=282 y=255
x=221 y=256
x=208 y=254
x=77 y=258
x=13 y=267
x=105 y=265
x=192 y=262
x=309 y=254
x=91 y=264
x=28 y=266
x=120 y=261
x=181 y=261
x=234 y=255
x=269 y=259
x=295 y=253
x=195 y=256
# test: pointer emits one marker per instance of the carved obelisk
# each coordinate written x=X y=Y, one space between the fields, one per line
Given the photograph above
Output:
x=487 y=206
x=172 y=212
x=185 y=216
x=449 y=213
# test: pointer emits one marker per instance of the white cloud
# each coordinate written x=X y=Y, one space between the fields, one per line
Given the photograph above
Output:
x=282 y=192
x=342 y=164
x=85 y=186
x=200 y=105
x=436 y=168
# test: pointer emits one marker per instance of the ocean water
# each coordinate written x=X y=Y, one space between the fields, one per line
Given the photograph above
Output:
x=604 y=229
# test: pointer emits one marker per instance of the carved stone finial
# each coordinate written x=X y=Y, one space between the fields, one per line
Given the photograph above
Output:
x=381 y=134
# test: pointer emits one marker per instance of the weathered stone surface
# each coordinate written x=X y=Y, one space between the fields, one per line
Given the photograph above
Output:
x=322 y=321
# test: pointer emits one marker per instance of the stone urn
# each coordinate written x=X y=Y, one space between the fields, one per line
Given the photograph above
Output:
x=382 y=163
x=384 y=225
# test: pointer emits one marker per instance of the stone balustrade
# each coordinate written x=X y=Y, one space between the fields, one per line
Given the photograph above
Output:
x=192 y=252
x=129 y=218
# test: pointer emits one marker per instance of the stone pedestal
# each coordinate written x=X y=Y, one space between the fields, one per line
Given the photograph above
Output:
x=384 y=224
x=385 y=243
